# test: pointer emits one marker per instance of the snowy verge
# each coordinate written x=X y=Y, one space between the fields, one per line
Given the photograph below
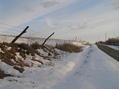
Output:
x=111 y=46
x=90 y=69
x=15 y=57
x=94 y=70
x=42 y=77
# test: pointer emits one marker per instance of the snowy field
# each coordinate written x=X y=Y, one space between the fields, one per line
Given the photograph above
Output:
x=53 y=42
x=90 y=69
x=114 y=47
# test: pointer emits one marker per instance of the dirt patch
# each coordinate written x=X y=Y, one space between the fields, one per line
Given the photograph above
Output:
x=2 y=74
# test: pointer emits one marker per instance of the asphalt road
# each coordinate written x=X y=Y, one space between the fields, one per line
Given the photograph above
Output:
x=111 y=52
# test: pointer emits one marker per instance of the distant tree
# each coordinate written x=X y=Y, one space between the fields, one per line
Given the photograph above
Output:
x=112 y=41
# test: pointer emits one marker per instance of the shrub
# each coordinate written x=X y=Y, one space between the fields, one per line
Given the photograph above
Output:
x=35 y=45
x=9 y=51
x=28 y=49
x=68 y=47
x=15 y=54
x=113 y=41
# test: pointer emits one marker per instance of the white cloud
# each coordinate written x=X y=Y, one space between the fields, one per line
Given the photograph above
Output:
x=115 y=4
x=50 y=23
x=30 y=10
x=84 y=23
x=50 y=4
x=80 y=11
x=91 y=23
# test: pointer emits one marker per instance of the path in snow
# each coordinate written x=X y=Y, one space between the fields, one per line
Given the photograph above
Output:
x=94 y=70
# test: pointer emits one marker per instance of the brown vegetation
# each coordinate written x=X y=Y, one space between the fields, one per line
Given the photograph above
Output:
x=15 y=54
x=111 y=41
x=2 y=74
x=68 y=47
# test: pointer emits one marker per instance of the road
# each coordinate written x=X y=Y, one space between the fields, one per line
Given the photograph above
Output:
x=110 y=51
x=94 y=70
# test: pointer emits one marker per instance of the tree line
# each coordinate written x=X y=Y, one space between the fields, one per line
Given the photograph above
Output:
x=111 y=41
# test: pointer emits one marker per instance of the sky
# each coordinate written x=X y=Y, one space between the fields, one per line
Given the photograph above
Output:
x=86 y=20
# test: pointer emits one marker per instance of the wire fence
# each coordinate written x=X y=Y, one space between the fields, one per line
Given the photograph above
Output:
x=7 y=29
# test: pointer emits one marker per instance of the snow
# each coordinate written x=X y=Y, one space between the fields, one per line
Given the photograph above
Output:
x=78 y=43
x=113 y=46
x=95 y=70
x=90 y=69
x=8 y=69
x=1 y=51
x=53 y=42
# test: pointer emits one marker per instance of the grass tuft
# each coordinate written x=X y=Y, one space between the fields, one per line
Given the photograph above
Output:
x=68 y=47
x=16 y=54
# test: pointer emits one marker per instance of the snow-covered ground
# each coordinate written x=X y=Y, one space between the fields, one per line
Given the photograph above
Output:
x=90 y=69
x=113 y=46
x=53 y=42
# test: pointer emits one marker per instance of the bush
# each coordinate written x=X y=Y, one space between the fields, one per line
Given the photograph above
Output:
x=26 y=49
x=68 y=47
x=113 y=41
x=35 y=45
x=9 y=50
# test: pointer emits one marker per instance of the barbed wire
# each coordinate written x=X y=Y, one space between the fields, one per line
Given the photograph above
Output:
x=11 y=25
x=15 y=30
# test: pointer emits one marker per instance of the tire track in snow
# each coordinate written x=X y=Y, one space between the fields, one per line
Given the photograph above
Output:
x=86 y=62
x=92 y=71
x=79 y=76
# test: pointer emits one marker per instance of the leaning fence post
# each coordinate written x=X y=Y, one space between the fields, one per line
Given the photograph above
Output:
x=20 y=34
x=47 y=38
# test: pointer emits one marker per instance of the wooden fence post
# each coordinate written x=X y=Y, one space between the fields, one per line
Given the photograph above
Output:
x=47 y=38
x=20 y=34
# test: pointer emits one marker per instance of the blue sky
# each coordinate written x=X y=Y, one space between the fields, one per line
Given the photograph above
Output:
x=87 y=20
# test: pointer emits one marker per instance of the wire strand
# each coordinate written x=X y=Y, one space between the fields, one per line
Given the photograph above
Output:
x=11 y=25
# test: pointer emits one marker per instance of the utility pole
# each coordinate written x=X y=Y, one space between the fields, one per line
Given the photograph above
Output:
x=24 y=31
x=98 y=38
x=105 y=36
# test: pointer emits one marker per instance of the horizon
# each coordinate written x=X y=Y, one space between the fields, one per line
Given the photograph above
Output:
x=88 y=20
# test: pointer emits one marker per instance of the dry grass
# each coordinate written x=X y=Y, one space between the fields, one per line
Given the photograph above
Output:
x=10 y=50
x=69 y=47
x=35 y=45
x=15 y=54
